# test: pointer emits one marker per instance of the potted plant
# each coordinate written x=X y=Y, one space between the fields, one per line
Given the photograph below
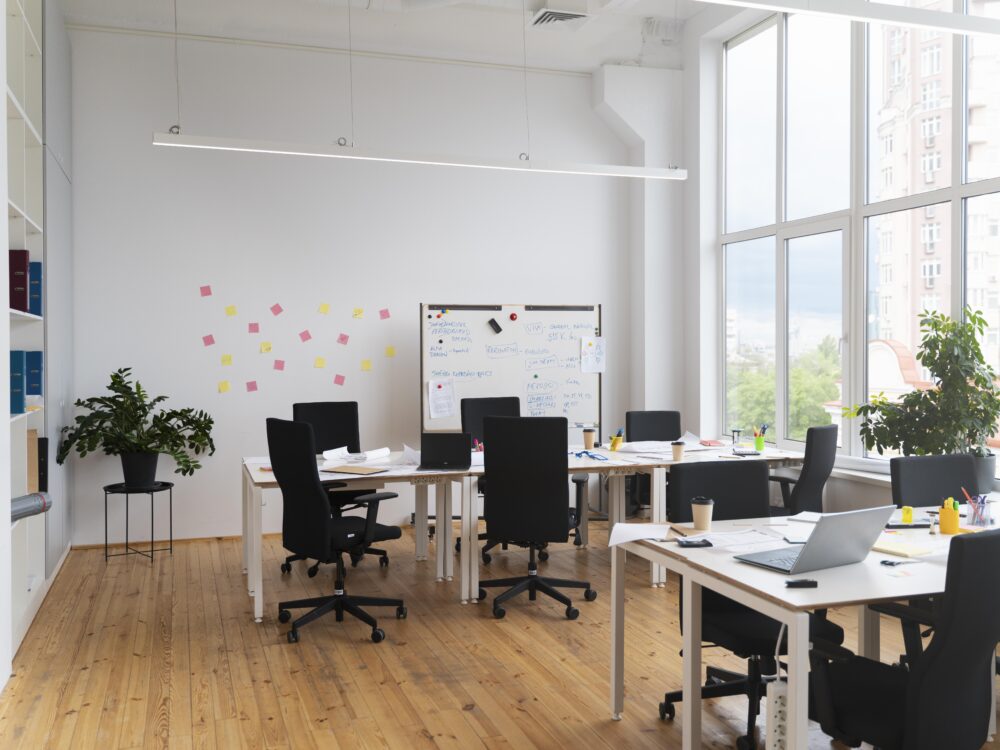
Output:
x=128 y=423
x=958 y=414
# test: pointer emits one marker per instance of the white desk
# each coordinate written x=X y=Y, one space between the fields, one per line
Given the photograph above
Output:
x=859 y=585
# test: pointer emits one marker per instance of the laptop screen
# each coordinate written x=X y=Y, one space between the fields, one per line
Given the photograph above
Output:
x=446 y=450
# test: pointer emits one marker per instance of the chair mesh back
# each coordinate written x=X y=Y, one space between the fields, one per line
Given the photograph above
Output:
x=927 y=480
x=334 y=423
x=475 y=410
x=821 y=452
x=738 y=487
x=527 y=466
x=652 y=425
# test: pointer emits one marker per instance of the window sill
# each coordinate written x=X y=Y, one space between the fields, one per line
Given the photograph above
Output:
x=865 y=477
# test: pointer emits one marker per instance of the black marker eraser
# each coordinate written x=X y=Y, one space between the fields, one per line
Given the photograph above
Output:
x=495 y=326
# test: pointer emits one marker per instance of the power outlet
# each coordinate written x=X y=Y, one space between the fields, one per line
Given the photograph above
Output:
x=777 y=715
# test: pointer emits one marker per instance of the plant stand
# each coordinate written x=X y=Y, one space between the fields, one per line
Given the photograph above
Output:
x=122 y=489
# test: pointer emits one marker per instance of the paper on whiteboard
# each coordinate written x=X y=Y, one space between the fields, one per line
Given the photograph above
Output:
x=592 y=354
x=441 y=398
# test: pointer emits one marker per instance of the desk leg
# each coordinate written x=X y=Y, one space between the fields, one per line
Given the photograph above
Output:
x=420 y=522
x=469 y=547
x=470 y=499
x=442 y=537
x=449 y=506
x=616 y=500
x=256 y=573
x=585 y=511
x=691 y=705
x=798 y=680
x=617 y=632
x=244 y=529
x=869 y=623
x=658 y=503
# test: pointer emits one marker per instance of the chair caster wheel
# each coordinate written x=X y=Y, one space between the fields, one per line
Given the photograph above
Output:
x=666 y=711
x=590 y=595
x=400 y=613
x=572 y=613
x=286 y=567
x=543 y=555
x=499 y=612
x=745 y=743
x=284 y=616
x=313 y=570
x=378 y=635
x=293 y=636
x=482 y=594
x=383 y=562
x=355 y=559
x=487 y=558
x=458 y=546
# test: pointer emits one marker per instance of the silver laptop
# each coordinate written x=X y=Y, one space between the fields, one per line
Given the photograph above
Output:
x=837 y=539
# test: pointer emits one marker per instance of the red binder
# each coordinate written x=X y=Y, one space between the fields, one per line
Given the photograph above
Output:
x=19 y=280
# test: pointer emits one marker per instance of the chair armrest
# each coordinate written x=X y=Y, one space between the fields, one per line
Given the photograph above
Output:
x=783 y=480
x=372 y=500
x=579 y=479
x=830 y=651
x=332 y=484
x=905 y=612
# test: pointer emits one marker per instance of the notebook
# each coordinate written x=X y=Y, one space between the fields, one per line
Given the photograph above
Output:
x=354 y=469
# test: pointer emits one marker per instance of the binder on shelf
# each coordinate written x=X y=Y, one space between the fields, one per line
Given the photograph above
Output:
x=18 y=267
x=32 y=460
x=17 y=367
x=43 y=464
x=33 y=373
x=35 y=288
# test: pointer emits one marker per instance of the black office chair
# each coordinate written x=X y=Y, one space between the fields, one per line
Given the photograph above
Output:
x=335 y=424
x=944 y=699
x=310 y=528
x=648 y=425
x=740 y=490
x=526 y=463
x=807 y=492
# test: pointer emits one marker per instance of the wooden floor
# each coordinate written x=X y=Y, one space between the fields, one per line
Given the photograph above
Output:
x=133 y=654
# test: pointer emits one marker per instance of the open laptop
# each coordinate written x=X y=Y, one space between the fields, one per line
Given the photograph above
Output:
x=837 y=539
x=445 y=451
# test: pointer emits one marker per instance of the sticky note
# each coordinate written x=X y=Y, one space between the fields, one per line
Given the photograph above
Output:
x=319 y=362
x=324 y=308
x=265 y=347
x=358 y=312
x=343 y=339
x=230 y=310
x=338 y=379
x=253 y=327
x=390 y=351
x=279 y=364
x=277 y=309
x=223 y=386
x=251 y=386
x=227 y=359
x=305 y=336
x=366 y=365
x=206 y=291
x=383 y=314
x=208 y=340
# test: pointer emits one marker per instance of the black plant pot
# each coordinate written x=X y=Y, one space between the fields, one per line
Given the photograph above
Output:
x=139 y=469
x=985 y=471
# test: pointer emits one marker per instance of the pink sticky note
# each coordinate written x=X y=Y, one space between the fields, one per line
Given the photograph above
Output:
x=251 y=386
x=305 y=335
x=343 y=338
x=208 y=340
x=279 y=364
x=276 y=309
x=338 y=379
x=383 y=314
x=253 y=327
x=206 y=291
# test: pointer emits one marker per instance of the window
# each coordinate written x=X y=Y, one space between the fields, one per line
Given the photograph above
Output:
x=887 y=178
x=897 y=41
x=896 y=72
x=930 y=95
x=930 y=302
x=929 y=271
x=930 y=235
x=887 y=142
x=885 y=273
x=930 y=163
x=930 y=128
x=983 y=97
x=983 y=251
x=930 y=61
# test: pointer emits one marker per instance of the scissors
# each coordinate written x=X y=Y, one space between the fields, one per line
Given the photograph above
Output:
x=589 y=454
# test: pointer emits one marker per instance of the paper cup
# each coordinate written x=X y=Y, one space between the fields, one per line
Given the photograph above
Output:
x=589 y=436
x=702 y=514
x=678 y=449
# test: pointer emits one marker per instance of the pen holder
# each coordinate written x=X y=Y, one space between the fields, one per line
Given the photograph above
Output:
x=978 y=514
x=616 y=442
x=948 y=520
x=758 y=444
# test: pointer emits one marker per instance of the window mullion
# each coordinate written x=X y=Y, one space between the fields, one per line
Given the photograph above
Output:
x=781 y=278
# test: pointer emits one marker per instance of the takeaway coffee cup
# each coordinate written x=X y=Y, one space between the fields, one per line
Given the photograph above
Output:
x=589 y=436
x=701 y=509
x=678 y=448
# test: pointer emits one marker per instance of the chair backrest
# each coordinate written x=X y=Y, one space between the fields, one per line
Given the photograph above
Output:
x=475 y=410
x=927 y=480
x=652 y=425
x=334 y=423
x=821 y=452
x=305 y=517
x=948 y=700
x=527 y=465
x=738 y=487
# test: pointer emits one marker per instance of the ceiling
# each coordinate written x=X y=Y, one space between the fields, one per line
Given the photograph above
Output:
x=644 y=32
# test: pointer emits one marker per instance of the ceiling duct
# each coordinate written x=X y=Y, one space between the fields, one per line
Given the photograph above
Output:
x=563 y=19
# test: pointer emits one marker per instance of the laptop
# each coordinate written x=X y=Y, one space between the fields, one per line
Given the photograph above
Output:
x=445 y=451
x=838 y=539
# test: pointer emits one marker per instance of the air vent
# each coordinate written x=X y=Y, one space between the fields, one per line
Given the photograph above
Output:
x=551 y=18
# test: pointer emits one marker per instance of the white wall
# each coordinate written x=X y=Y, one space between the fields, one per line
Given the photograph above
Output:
x=152 y=225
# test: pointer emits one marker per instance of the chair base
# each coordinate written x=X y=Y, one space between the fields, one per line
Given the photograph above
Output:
x=535 y=584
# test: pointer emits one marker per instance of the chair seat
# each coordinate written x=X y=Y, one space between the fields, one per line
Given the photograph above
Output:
x=869 y=699
x=349 y=531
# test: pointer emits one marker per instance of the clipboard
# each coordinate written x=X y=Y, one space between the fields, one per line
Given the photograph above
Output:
x=360 y=470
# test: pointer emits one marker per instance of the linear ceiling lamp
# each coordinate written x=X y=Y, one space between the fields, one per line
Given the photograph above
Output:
x=346 y=152
x=862 y=10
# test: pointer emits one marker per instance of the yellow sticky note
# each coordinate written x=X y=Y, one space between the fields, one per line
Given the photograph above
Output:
x=265 y=347
x=324 y=308
x=227 y=359
x=366 y=365
x=223 y=386
x=319 y=362
x=358 y=312
x=390 y=351
x=230 y=310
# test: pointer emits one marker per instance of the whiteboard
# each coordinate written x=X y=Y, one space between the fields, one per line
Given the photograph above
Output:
x=535 y=356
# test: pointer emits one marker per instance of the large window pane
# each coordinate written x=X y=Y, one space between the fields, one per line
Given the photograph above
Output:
x=909 y=271
x=984 y=97
x=818 y=161
x=815 y=326
x=751 y=130
x=750 y=333
x=982 y=258
x=909 y=108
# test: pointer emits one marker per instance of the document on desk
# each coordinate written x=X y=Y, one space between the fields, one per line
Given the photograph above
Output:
x=738 y=542
x=633 y=532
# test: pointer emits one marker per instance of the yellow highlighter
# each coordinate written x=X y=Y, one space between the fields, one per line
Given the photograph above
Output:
x=948 y=517
x=907 y=514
